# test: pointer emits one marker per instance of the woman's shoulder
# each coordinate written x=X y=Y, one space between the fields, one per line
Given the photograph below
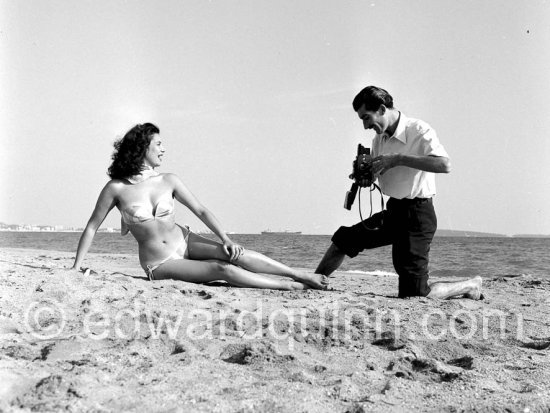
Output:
x=170 y=177
x=116 y=182
x=115 y=185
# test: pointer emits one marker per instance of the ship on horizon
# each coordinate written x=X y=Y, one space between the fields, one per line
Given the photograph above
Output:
x=285 y=232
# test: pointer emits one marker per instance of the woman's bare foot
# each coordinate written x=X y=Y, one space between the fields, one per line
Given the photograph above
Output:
x=475 y=292
x=296 y=285
x=316 y=281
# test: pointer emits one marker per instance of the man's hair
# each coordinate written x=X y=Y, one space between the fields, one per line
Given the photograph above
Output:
x=372 y=97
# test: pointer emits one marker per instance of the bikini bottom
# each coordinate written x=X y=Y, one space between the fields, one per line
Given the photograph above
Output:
x=181 y=252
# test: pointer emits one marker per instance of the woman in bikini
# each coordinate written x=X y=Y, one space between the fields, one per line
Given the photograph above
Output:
x=145 y=199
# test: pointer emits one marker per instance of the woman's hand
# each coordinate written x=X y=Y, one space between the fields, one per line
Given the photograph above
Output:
x=234 y=251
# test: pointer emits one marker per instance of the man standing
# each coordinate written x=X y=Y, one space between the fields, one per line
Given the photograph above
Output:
x=406 y=156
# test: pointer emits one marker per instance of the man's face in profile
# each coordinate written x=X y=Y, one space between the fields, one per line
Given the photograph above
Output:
x=375 y=120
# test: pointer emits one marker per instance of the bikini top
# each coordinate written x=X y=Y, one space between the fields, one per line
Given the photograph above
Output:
x=140 y=213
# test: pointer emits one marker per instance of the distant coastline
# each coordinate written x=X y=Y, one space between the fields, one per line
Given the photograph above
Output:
x=286 y=232
x=475 y=234
x=462 y=233
x=439 y=233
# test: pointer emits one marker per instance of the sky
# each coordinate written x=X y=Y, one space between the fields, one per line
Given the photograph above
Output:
x=253 y=101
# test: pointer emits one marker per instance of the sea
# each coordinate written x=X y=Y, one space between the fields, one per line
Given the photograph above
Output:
x=449 y=256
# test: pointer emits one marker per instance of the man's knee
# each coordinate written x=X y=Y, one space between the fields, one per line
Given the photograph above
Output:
x=413 y=278
x=345 y=242
x=413 y=286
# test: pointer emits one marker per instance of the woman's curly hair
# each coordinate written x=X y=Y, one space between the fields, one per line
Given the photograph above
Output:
x=130 y=151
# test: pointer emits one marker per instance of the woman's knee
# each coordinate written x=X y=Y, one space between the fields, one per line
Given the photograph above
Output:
x=225 y=270
x=246 y=254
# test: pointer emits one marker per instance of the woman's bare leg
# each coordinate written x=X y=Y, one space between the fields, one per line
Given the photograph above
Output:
x=201 y=248
x=214 y=270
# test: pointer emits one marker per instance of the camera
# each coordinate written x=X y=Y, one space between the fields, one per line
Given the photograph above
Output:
x=362 y=173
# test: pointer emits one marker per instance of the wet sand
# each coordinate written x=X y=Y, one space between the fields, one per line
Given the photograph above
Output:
x=111 y=340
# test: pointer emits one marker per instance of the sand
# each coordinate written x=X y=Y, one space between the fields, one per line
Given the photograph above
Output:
x=111 y=340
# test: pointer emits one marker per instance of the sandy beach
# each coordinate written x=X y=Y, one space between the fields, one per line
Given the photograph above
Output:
x=110 y=340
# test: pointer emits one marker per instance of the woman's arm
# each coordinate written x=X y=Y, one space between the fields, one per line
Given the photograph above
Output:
x=105 y=203
x=184 y=195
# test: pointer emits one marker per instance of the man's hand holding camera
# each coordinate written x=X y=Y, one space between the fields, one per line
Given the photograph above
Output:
x=381 y=164
x=366 y=169
x=362 y=174
x=367 y=178
x=362 y=168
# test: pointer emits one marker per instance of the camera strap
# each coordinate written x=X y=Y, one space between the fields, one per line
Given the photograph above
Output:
x=372 y=188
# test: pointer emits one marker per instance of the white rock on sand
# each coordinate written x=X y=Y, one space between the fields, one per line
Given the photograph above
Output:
x=114 y=341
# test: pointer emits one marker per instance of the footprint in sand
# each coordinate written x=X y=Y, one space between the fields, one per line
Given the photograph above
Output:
x=423 y=369
x=254 y=353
